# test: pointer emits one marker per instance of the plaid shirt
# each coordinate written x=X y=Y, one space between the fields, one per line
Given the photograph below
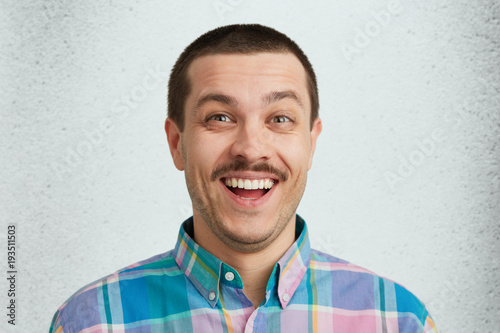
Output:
x=189 y=290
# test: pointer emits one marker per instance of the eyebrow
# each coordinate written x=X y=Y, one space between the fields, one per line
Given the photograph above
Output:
x=220 y=98
x=268 y=99
x=277 y=96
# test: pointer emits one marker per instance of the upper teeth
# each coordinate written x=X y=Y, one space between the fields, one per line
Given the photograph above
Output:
x=250 y=184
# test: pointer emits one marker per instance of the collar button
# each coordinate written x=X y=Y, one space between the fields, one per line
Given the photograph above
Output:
x=229 y=276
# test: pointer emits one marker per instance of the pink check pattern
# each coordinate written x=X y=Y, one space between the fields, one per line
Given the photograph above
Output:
x=189 y=290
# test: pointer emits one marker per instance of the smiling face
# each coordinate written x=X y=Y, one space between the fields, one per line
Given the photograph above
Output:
x=246 y=146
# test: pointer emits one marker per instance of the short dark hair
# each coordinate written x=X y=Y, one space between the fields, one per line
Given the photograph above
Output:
x=233 y=39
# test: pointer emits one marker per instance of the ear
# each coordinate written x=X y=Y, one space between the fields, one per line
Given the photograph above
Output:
x=316 y=129
x=174 y=143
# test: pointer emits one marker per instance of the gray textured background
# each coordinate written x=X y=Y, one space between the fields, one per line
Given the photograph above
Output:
x=405 y=180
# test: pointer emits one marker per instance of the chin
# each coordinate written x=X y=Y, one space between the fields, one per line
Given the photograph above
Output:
x=249 y=235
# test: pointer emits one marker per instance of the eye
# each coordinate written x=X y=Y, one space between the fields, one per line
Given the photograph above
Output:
x=280 y=119
x=220 y=117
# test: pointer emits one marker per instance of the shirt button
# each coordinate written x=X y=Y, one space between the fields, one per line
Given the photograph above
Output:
x=286 y=297
x=229 y=276
x=211 y=296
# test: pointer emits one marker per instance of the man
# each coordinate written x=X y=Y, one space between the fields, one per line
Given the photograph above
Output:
x=242 y=124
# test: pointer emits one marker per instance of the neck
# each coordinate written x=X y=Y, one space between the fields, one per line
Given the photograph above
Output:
x=254 y=268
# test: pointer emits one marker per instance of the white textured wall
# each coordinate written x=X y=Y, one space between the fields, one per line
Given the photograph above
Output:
x=86 y=173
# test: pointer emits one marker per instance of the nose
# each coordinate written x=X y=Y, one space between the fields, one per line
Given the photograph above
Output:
x=251 y=144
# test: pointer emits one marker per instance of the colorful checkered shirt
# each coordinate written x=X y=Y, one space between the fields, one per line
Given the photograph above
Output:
x=189 y=290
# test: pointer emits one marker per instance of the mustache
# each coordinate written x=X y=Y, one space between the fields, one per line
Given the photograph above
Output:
x=243 y=166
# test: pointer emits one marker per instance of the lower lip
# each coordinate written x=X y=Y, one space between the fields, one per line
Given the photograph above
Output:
x=249 y=203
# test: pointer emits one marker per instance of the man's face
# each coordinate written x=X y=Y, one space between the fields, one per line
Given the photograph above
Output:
x=246 y=146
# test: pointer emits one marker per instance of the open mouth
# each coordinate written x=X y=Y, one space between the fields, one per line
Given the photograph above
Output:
x=249 y=189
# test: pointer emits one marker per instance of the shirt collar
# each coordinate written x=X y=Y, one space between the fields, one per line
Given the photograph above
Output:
x=205 y=270
x=294 y=263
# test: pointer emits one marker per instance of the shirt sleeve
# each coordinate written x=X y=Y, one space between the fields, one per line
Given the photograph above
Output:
x=56 y=326
x=429 y=326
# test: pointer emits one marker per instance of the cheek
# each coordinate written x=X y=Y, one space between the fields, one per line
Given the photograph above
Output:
x=205 y=152
x=294 y=151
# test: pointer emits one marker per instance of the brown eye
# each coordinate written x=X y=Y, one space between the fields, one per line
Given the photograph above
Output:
x=280 y=119
x=220 y=117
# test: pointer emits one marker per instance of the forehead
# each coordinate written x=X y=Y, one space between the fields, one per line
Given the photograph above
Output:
x=248 y=73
